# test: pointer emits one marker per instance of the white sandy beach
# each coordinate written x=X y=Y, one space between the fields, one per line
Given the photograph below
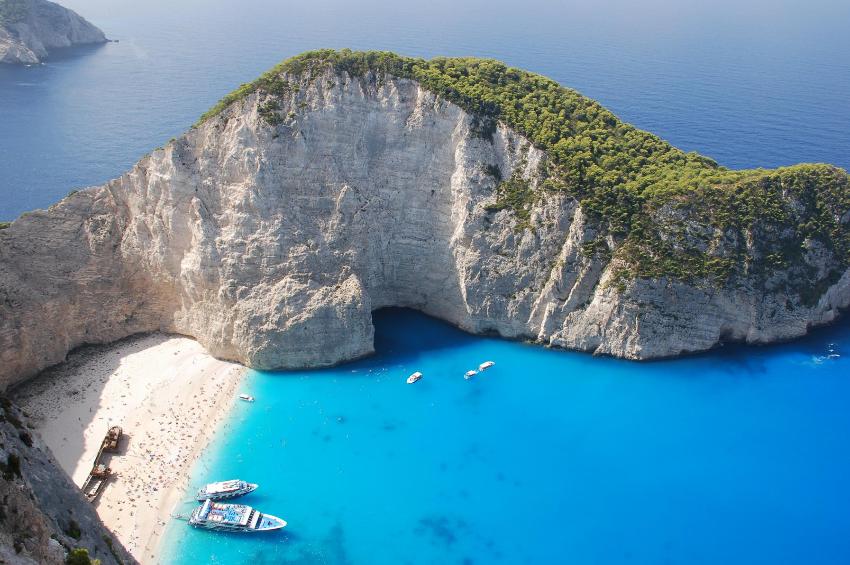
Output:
x=167 y=394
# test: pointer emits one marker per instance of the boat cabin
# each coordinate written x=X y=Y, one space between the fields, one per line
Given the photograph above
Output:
x=113 y=437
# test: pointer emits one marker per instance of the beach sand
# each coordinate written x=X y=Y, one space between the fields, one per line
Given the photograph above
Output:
x=167 y=394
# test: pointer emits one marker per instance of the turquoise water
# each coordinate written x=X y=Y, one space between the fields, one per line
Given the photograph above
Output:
x=735 y=457
x=738 y=456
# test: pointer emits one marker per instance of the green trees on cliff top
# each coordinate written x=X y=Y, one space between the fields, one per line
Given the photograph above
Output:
x=633 y=185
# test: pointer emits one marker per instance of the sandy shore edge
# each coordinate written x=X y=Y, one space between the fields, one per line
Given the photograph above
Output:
x=168 y=395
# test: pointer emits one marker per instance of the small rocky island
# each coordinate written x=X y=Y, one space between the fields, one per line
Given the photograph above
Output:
x=342 y=182
x=29 y=29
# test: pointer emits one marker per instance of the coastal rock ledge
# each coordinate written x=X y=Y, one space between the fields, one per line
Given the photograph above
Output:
x=31 y=28
x=272 y=229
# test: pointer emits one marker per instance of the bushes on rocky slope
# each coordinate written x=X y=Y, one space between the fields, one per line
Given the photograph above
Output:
x=13 y=11
x=671 y=214
x=80 y=556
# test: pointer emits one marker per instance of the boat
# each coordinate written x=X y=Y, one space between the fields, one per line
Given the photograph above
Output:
x=246 y=397
x=96 y=481
x=469 y=374
x=225 y=489
x=485 y=365
x=112 y=439
x=414 y=377
x=233 y=518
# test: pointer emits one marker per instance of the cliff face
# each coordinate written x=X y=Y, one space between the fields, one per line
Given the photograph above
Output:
x=271 y=232
x=31 y=28
x=43 y=515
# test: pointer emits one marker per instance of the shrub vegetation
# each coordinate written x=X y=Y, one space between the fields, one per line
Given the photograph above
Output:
x=671 y=214
x=13 y=11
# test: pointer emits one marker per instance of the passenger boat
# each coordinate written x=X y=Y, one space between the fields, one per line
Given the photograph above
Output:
x=485 y=365
x=233 y=518
x=414 y=377
x=469 y=374
x=246 y=397
x=225 y=489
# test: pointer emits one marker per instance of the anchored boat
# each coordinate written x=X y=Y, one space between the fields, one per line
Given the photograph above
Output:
x=233 y=518
x=469 y=374
x=414 y=377
x=485 y=365
x=225 y=489
x=246 y=397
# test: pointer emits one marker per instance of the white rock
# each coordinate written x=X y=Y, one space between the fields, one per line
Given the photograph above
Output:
x=273 y=245
x=44 y=26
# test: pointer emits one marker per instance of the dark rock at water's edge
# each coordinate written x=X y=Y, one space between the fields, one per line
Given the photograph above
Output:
x=30 y=29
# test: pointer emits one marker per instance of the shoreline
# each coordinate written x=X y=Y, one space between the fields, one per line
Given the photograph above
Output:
x=169 y=396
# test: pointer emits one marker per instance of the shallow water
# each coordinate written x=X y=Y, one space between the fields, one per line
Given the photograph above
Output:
x=738 y=456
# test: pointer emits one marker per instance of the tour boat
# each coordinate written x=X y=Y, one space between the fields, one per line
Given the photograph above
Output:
x=233 y=518
x=469 y=374
x=246 y=397
x=225 y=489
x=485 y=365
x=414 y=377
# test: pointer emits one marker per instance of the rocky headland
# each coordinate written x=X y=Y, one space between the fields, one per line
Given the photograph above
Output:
x=493 y=198
x=29 y=29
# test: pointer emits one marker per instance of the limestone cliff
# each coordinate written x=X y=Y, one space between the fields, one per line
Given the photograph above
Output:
x=273 y=229
x=43 y=515
x=31 y=28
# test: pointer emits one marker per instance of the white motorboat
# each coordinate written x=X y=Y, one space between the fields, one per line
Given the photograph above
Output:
x=225 y=489
x=246 y=397
x=469 y=374
x=414 y=377
x=485 y=365
x=233 y=517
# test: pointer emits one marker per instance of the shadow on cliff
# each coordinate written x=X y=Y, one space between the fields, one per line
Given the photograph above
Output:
x=75 y=390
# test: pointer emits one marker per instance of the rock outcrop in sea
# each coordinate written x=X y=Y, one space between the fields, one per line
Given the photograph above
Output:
x=271 y=231
x=29 y=29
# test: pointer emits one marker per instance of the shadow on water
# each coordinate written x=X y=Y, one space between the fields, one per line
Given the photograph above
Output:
x=401 y=333
x=73 y=52
x=330 y=549
x=752 y=359
x=22 y=75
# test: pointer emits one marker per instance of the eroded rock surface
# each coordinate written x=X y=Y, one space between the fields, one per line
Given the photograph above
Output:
x=43 y=515
x=272 y=242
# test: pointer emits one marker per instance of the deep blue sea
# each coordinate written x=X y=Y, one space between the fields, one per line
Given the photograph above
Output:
x=746 y=82
x=739 y=456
